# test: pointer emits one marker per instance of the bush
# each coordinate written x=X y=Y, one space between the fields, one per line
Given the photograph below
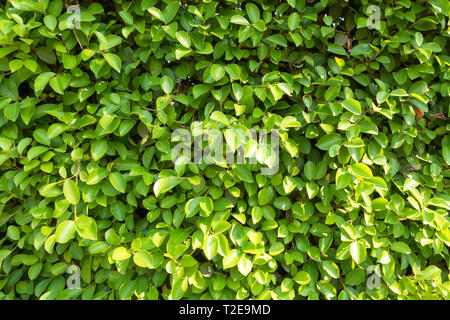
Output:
x=101 y=102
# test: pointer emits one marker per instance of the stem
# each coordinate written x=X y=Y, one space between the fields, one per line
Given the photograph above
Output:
x=76 y=182
x=78 y=40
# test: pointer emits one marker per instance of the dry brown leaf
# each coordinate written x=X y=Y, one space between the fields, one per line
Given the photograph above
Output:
x=419 y=114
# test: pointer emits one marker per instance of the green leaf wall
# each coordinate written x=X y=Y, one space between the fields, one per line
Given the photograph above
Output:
x=92 y=207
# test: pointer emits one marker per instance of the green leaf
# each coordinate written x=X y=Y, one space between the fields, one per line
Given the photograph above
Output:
x=352 y=105
x=329 y=140
x=206 y=205
x=178 y=290
x=431 y=273
x=446 y=148
x=165 y=184
x=86 y=227
x=244 y=173
x=293 y=21
x=332 y=92
x=245 y=265
x=156 y=13
x=60 y=83
x=231 y=259
x=327 y=289
x=361 y=49
x=252 y=12
x=50 y=22
x=237 y=19
x=69 y=61
x=148 y=260
x=192 y=207
x=56 y=129
x=400 y=247
x=360 y=170
x=336 y=49
x=31 y=65
x=302 y=277
x=220 y=117
x=35 y=270
x=210 y=247
x=343 y=179
x=310 y=170
x=13 y=233
x=120 y=254
x=71 y=192
x=113 y=60
x=355 y=277
x=170 y=11
x=118 y=210
x=188 y=261
x=217 y=72
x=183 y=38
x=46 y=55
x=96 y=176
x=118 y=181
x=331 y=269
x=265 y=195
x=277 y=39
x=167 y=84
x=65 y=231
x=200 y=90
x=358 y=251
x=98 y=149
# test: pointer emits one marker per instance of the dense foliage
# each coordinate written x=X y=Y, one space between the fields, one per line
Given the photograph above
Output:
x=358 y=208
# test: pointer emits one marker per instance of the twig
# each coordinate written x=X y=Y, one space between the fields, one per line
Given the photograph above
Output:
x=78 y=40
x=439 y=115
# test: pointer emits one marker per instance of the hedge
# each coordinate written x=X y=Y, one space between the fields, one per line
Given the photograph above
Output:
x=93 y=205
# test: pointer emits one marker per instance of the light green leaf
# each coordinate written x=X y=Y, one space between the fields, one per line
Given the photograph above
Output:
x=244 y=173
x=355 y=277
x=360 y=170
x=65 y=231
x=237 y=19
x=167 y=84
x=400 y=247
x=120 y=254
x=329 y=140
x=71 y=192
x=118 y=181
x=86 y=227
x=210 y=247
x=165 y=184
x=183 y=38
x=358 y=251
x=113 y=60
x=352 y=105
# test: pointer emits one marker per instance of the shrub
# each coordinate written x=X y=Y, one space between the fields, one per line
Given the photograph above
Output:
x=101 y=101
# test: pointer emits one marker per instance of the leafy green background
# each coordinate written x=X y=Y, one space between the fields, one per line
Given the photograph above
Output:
x=86 y=117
